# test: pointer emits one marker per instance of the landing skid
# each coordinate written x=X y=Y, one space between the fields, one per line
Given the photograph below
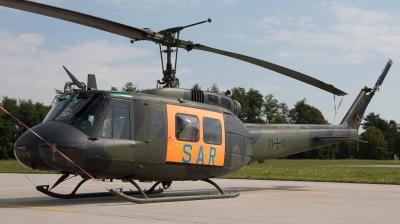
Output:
x=119 y=193
x=126 y=194
x=45 y=190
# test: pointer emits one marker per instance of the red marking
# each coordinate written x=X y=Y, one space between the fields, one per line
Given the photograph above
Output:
x=119 y=194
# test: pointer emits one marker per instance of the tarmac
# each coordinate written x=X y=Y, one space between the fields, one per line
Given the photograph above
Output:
x=260 y=201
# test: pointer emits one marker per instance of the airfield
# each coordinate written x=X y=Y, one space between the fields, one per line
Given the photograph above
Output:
x=261 y=201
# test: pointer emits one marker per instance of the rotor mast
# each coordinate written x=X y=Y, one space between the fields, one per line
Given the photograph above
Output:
x=169 y=80
x=170 y=39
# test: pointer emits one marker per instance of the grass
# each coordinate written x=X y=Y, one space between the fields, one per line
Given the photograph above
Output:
x=348 y=171
x=13 y=166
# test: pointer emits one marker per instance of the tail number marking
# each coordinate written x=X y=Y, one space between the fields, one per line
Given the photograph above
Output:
x=276 y=142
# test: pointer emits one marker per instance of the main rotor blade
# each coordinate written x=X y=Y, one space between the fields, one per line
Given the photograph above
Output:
x=285 y=71
x=142 y=34
x=79 y=18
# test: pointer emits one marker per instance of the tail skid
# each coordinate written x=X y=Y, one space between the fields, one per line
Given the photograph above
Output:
x=354 y=115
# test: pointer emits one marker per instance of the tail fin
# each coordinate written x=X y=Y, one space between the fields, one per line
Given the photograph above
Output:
x=356 y=112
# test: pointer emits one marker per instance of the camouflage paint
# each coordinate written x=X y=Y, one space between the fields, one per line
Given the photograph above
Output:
x=277 y=140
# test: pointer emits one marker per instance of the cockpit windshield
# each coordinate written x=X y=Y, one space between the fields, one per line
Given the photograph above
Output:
x=58 y=103
x=82 y=111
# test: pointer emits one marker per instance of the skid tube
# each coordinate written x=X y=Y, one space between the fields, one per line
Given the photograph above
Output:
x=119 y=193
x=45 y=190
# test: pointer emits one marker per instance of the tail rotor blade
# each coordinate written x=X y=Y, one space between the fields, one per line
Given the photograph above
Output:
x=384 y=73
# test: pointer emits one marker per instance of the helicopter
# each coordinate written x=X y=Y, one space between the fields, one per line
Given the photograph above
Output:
x=164 y=134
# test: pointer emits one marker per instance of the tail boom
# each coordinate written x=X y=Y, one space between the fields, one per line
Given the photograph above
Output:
x=272 y=141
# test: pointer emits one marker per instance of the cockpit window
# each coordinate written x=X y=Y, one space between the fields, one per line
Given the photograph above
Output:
x=187 y=128
x=82 y=111
x=58 y=103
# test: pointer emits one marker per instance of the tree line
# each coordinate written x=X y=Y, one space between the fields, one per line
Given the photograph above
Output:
x=26 y=111
x=380 y=140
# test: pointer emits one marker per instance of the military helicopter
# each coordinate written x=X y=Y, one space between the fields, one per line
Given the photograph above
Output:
x=165 y=134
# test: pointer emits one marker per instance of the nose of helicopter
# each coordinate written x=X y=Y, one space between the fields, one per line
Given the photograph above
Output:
x=34 y=153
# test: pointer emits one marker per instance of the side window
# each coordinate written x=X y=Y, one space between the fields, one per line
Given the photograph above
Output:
x=157 y=129
x=106 y=127
x=212 y=131
x=121 y=121
x=116 y=124
x=187 y=128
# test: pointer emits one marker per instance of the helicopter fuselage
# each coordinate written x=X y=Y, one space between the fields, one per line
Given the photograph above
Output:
x=149 y=137
x=138 y=136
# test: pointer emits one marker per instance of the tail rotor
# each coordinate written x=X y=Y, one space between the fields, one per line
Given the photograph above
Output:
x=356 y=112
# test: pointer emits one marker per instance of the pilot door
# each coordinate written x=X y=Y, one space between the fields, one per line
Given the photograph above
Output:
x=114 y=143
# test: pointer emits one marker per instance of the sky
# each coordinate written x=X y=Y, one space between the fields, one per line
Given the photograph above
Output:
x=343 y=43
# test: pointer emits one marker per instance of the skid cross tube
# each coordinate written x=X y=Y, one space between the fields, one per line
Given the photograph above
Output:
x=119 y=193
x=45 y=190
